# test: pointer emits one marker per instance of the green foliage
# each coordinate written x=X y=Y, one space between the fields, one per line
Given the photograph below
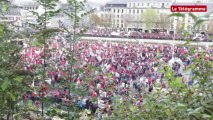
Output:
x=177 y=15
x=180 y=102
x=4 y=5
x=12 y=84
x=149 y=17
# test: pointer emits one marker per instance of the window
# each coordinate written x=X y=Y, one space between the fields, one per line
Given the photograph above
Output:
x=137 y=11
x=122 y=25
x=162 y=4
x=133 y=11
x=122 y=21
x=122 y=10
x=141 y=11
x=141 y=4
x=121 y=16
x=117 y=16
x=117 y=21
x=189 y=20
x=147 y=4
x=129 y=4
x=118 y=10
x=114 y=10
x=133 y=4
x=118 y=25
x=129 y=10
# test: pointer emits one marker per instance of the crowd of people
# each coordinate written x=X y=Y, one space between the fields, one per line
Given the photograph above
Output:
x=107 y=69
x=101 y=32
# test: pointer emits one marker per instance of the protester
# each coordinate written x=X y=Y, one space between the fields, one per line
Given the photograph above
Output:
x=112 y=69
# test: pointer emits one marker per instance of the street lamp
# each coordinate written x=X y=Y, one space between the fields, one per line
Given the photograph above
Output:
x=175 y=25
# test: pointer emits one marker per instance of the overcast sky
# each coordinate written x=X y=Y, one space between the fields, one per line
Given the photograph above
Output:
x=97 y=1
x=104 y=1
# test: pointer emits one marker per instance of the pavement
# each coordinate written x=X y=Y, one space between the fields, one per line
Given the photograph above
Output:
x=147 y=41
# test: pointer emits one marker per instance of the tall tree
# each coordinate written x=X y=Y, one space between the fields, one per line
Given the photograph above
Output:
x=41 y=37
x=75 y=14
x=95 y=20
x=126 y=20
x=163 y=22
x=149 y=17
x=179 y=25
x=210 y=27
x=107 y=20
x=14 y=81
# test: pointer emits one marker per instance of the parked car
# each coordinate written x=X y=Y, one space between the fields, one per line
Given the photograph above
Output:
x=199 y=37
x=133 y=34
x=115 y=34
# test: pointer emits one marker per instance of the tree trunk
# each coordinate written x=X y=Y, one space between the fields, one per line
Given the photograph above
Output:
x=8 y=115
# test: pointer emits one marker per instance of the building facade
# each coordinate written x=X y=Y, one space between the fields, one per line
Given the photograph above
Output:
x=188 y=20
x=13 y=17
x=128 y=14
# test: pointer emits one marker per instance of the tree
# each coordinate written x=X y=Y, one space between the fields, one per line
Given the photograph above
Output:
x=163 y=22
x=75 y=15
x=149 y=18
x=179 y=25
x=126 y=20
x=14 y=81
x=209 y=29
x=95 y=20
x=106 y=20
x=43 y=33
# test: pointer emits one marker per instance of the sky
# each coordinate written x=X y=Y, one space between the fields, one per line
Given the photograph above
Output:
x=99 y=1
x=102 y=1
x=96 y=1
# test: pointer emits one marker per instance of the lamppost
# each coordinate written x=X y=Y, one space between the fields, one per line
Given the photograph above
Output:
x=173 y=45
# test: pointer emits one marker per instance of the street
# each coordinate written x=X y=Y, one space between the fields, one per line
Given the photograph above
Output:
x=147 y=41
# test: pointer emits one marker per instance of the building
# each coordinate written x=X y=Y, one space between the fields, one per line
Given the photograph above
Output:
x=127 y=14
x=61 y=19
x=189 y=22
x=12 y=16
x=27 y=15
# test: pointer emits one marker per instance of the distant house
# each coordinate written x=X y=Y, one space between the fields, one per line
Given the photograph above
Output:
x=12 y=16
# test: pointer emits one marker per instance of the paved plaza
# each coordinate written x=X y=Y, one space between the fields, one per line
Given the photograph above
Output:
x=148 y=41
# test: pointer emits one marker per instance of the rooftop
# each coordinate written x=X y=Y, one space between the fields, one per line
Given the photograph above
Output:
x=115 y=5
x=13 y=11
